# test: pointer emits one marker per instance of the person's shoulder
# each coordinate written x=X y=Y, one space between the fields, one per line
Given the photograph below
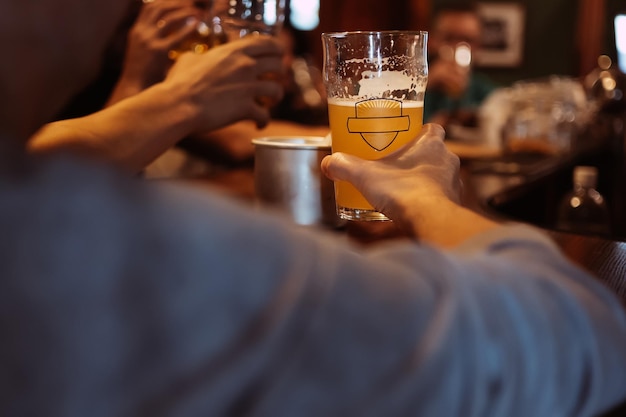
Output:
x=87 y=197
x=89 y=188
x=76 y=213
x=79 y=183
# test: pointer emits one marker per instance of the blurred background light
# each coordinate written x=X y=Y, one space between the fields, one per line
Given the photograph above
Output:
x=620 y=40
x=305 y=14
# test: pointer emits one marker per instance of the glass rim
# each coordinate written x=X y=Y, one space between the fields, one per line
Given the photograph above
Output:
x=349 y=33
x=293 y=142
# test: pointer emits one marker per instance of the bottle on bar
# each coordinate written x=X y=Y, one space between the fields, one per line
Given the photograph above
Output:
x=583 y=210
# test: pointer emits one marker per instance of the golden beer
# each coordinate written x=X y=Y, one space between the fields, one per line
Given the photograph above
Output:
x=200 y=41
x=202 y=38
x=370 y=129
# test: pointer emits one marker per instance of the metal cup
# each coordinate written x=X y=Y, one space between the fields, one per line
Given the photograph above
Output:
x=287 y=177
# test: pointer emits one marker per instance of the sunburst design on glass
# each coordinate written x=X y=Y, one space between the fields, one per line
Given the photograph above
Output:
x=378 y=121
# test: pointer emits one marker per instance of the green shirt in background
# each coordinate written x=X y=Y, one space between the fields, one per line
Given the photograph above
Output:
x=478 y=89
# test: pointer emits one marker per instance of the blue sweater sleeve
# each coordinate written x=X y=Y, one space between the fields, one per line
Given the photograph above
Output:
x=157 y=300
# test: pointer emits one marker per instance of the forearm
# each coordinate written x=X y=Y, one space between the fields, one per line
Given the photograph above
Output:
x=123 y=89
x=135 y=78
x=422 y=332
x=131 y=133
x=443 y=223
x=503 y=319
x=556 y=327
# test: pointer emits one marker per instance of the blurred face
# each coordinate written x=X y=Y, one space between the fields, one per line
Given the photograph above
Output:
x=451 y=28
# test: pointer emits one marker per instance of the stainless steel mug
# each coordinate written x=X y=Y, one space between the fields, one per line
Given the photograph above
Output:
x=287 y=177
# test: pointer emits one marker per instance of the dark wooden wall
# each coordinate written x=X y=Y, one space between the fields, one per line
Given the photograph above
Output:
x=343 y=15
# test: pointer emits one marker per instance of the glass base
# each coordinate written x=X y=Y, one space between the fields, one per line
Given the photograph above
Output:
x=361 y=215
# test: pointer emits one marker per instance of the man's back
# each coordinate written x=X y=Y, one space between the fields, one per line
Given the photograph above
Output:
x=126 y=298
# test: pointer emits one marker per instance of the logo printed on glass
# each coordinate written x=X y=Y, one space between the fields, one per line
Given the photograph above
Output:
x=379 y=121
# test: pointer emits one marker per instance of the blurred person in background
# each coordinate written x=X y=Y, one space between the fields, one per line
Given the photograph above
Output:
x=455 y=90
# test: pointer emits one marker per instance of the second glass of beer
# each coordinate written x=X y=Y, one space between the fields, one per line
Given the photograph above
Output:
x=375 y=83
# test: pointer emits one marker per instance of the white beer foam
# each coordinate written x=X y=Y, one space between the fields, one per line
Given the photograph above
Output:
x=374 y=84
x=352 y=101
x=379 y=84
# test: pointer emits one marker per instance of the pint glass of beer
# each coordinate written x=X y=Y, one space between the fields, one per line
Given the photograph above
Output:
x=375 y=83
